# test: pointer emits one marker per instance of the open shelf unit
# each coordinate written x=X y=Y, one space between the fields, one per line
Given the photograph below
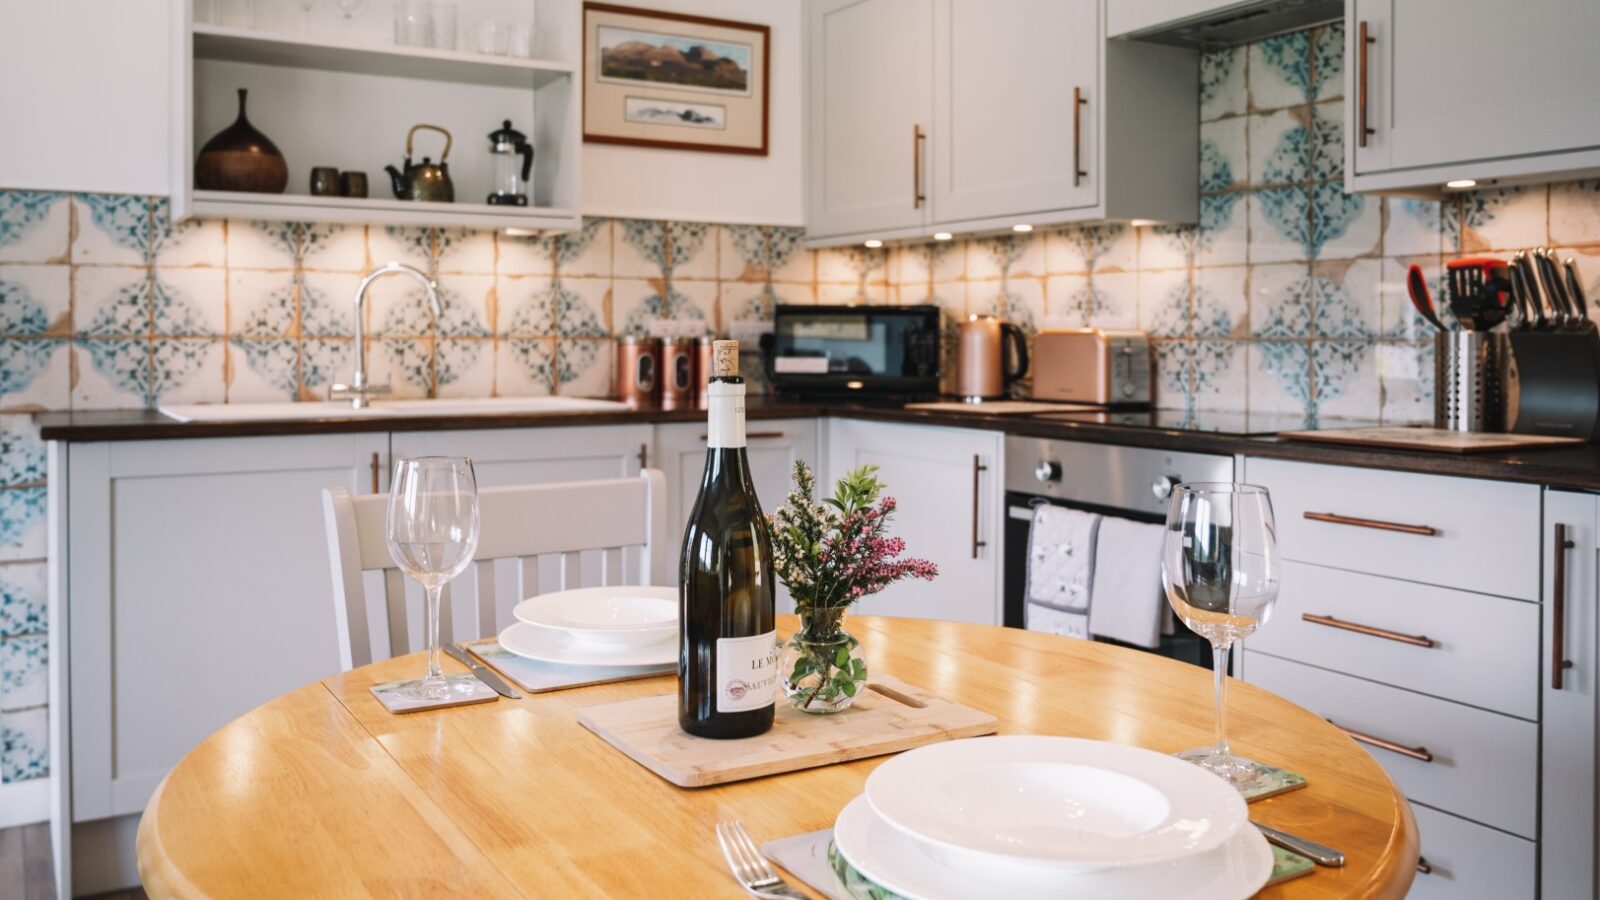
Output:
x=348 y=102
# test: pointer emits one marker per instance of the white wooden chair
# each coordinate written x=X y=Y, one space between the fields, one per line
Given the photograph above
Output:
x=534 y=539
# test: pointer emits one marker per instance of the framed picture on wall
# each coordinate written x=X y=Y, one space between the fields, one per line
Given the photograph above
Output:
x=661 y=79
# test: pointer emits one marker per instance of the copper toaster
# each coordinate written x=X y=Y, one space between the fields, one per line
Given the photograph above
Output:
x=1092 y=365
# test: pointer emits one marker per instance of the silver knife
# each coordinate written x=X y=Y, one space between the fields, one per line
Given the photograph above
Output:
x=484 y=673
x=1321 y=854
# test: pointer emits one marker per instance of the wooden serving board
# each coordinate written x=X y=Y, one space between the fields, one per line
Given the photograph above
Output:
x=1435 y=439
x=890 y=716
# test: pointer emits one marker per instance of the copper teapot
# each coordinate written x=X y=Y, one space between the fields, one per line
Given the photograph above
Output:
x=424 y=180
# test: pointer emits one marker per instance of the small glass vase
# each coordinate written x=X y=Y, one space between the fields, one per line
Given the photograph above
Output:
x=822 y=668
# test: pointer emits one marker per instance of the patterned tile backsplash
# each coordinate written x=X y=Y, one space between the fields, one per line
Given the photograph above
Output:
x=1288 y=296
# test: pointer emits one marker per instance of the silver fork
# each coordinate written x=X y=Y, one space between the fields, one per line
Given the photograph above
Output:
x=749 y=867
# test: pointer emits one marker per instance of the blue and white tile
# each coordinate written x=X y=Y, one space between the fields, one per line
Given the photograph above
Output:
x=588 y=250
x=1224 y=164
x=187 y=370
x=1281 y=301
x=112 y=373
x=870 y=294
x=330 y=247
x=1279 y=148
x=111 y=301
x=739 y=301
x=262 y=370
x=635 y=305
x=22 y=524
x=525 y=255
x=524 y=306
x=1164 y=303
x=189 y=302
x=1344 y=225
x=791 y=261
x=1346 y=375
x=1071 y=301
x=35 y=321
x=261 y=304
x=1222 y=83
x=1118 y=300
x=196 y=242
x=1221 y=303
x=1280 y=71
x=22 y=453
x=1280 y=224
x=262 y=245
x=1223 y=235
x=466 y=301
x=1397 y=318
x=464 y=367
x=327 y=303
x=1412 y=227
x=1166 y=246
x=525 y=367
x=405 y=364
x=641 y=250
x=1405 y=376
x=1280 y=377
x=323 y=363
x=1027 y=259
x=856 y=265
x=24 y=745
x=1174 y=373
x=947 y=261
x=1327 y=62
x=579 y=307
x=35 y=226
x=1083 y=248
x=744 y=253
x=583 y=367
x=466 y=251
x=113 y=229
x=24 y=598
x=1221 y=374
x=694 y=250
x=1575 y=212
x=396 y=243
x=1019 y=301
x=1510 y=218
x=1347 y=299
x=399 y=308
x=696 y=301
x=1327 y=141
x=24 y=663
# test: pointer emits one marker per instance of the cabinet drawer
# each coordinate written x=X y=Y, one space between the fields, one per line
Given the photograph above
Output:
x=1484 y=534
x=1485 y=650
x=1469 y=861
x=1480 y=765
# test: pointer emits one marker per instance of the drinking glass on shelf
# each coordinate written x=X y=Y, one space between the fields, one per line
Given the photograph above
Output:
x=413 y=23
x=444 y=25
x=306 y=6
x=519 y=41
x=351 y=9
x=433 y=534
x=492 y=37
x=1219 y=564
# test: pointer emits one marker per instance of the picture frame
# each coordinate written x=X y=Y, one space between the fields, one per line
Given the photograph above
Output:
x=675 y=81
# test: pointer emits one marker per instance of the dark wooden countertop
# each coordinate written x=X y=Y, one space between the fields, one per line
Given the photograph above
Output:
x=1566 y=467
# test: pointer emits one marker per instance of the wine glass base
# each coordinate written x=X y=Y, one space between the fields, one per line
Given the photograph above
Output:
x=1246 y=775
x=436 y=690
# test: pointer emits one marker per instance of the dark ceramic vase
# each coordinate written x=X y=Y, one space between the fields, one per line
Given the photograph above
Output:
x=240 y=158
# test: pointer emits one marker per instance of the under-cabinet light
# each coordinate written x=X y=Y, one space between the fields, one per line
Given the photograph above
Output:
x=1023 y=227
x=873 y=243
x=1461 y=183
x=942 y=236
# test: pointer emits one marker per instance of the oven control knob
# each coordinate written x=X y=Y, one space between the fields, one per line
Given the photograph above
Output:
x=1162 y=486
x=1047 y=471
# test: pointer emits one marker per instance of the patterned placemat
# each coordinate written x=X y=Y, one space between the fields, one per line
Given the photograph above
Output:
x=536 y=676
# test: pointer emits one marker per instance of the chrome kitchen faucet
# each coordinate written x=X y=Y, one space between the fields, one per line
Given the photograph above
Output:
x=357 y=391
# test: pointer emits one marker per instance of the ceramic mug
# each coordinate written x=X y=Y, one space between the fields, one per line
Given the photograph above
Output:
x=353 y=184
x=324 y=181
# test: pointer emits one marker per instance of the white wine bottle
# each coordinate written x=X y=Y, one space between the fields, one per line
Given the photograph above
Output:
x=727 y=643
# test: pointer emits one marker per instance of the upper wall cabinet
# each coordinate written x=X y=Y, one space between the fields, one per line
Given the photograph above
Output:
x=976 y=115
x=1427 y=105
x=342 y=94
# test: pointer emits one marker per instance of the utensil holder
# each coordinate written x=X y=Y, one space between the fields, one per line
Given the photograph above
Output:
x=1469 y=380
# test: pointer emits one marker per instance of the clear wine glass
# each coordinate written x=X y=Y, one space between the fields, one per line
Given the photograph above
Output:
x=1219 y=564
x=433 y=534
x=351 y=8
x=306 y=6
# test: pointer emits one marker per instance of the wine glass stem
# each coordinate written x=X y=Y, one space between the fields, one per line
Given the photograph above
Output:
x=435 y=670
x=1219 y=655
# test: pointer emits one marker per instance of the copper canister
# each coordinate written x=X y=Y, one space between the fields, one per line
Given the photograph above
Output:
x=638 y=370
x=703 y=369
x=677 y=373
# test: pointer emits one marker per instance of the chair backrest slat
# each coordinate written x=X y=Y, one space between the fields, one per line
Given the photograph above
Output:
x=587 y=530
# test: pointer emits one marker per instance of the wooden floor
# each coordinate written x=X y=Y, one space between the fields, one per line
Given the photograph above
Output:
x=25 y=866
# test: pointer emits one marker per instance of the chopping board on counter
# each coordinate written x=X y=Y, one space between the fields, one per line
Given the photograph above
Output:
x=1435 y=439
x=890 y=716
x=1003 y=407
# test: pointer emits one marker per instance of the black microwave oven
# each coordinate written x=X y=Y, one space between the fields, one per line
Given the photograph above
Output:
x=851 y=350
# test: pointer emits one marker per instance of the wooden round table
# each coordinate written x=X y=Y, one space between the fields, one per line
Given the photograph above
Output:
x=322 y=793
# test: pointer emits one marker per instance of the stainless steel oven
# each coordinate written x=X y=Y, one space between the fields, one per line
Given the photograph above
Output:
x=1110 y=479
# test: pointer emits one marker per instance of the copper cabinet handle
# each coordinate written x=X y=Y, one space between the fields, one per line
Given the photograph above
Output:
x=1079 y=101
x=917 y=139
x=1363 y=41
x=978 y=468
x=1415 y=640
x=1420 y=754
x=1558 y=608
x=644 y=455
x=757 y=435
x=376 y=465
x=1379 y=524
x=1423 y=867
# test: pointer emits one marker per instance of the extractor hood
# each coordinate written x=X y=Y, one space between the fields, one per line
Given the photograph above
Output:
x=1242 y=23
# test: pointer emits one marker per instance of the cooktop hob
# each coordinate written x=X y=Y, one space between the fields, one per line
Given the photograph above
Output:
x=1234 y=424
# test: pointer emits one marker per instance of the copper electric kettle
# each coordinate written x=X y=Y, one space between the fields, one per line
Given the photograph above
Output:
x=424 y=180
x=990 y=355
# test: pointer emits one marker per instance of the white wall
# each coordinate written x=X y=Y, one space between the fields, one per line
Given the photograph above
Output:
x=645 y=183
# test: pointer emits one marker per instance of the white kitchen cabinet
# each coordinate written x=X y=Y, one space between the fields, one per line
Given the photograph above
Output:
x=197 y=589
x=1568 y=836
x=1434 y=111
x=977 y=115
x=536 y=455
x=948 y=486
x=772 y=447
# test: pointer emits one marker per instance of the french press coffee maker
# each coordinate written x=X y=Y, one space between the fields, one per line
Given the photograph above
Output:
x=510 y=176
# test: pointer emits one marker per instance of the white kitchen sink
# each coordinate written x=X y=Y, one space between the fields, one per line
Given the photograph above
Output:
x=340 y=409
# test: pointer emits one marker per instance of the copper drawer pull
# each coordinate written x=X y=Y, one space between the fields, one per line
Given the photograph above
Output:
x=1363 y=41
x=1423 y=867
x=978 y=468
x=917 y=139
x=1414 y=640
x=644 y=455
x=376 y=465
x=1558 y=608
x=1420 y=754
x=1379 y=524
x=1078 y=103
x=757 y=435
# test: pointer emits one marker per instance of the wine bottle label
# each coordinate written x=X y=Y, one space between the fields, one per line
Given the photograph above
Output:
x=725 y=416
x=747 y=672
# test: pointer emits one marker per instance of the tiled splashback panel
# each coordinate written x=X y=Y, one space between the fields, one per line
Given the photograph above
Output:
x=1287 y=297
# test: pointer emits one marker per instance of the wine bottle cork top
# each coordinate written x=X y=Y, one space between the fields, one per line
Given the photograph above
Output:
x=725 y=356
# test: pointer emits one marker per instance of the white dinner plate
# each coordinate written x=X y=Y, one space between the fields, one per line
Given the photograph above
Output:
x=618 y=616
x=1056 y=803
x=550 y=645
x=892 y=859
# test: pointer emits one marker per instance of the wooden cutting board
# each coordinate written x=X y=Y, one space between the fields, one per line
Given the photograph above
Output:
x=889 y=717
x=1435 y=439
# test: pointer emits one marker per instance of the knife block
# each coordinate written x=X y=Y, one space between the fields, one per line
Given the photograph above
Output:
x=1553 y=387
